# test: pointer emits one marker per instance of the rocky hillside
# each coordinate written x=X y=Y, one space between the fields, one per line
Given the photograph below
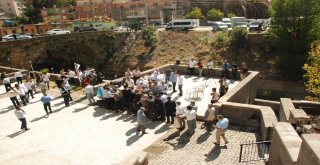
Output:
x=198 y=45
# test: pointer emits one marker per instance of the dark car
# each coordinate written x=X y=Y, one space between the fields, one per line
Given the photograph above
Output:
x=257 y=26
x=84 y=28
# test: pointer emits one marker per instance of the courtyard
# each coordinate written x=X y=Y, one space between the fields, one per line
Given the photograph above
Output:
x=82 y=134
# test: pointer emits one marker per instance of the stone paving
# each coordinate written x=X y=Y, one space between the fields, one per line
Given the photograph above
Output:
x=178 y=148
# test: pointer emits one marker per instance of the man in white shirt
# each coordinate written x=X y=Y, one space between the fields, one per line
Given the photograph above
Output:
x=180 y=110
x=76 y=67
x=191 y=65
x=72 y=74
x=7 y=84
x=209 y=117
x=28 y=85
x=129 y=82
x=210 y=68
x=22 y=93
x=90 y=93
x=163 y=97
x=20 y=114
x=46 y=78
x=191 y=115
x=18 y=77
x=107 y=95
x=163 y=87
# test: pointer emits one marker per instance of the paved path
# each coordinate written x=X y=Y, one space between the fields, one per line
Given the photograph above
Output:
x=79 y=134
x=180 y=149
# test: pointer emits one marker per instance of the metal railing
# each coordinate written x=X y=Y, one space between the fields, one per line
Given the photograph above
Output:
x=254 y=151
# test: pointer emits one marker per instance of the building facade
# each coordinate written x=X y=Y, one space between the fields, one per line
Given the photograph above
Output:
x=57 y=14
x=12 y=7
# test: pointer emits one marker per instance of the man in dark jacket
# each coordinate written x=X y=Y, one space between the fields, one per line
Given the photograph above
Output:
x=170 y=107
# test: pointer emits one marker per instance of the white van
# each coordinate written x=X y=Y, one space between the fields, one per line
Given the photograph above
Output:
x=183 y=24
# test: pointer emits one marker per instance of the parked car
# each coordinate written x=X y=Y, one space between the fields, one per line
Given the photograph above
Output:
x=122 y=29
x=84 y=28
x=257 y=26
x=217 y=26
x=58 y=31
x=184 y=24
x=19 y=36
x=158 y=25
x=227 y=21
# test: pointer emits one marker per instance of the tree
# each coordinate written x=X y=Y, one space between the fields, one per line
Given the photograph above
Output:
x=215 y=15
x=239 y=38
x=23 y=19
x=313 y=73
x=33 y=14
x=229 y=15
x=195 y=13
x=148 y=34
x=293 y=28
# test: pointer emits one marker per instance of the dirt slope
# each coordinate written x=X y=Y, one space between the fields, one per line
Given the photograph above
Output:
x=199 y=45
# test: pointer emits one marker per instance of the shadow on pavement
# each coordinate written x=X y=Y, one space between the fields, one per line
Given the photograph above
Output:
x=172 y=136
x=15 y=134
x=38 y=118
x=80 y=109
x=8 y=109
x=214 y=153
x=182 y=141
x=164 y=128
x=131 y=131
x=134 y=138
x=202 y=138
x=98 y=111
x=111 y=114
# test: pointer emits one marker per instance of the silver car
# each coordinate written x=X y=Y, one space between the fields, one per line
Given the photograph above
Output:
x=218 y=26
x=11 y=37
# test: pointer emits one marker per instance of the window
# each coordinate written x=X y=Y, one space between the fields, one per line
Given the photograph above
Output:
x=8 y=4
x=10 y=9
x=182 y=23
x=41 y=31
x=155 y=4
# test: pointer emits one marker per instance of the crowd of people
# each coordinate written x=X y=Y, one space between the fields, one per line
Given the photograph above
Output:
x=147 y=97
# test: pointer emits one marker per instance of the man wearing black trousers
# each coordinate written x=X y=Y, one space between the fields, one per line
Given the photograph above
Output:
x=46 y=103
x=170 y=107
x=20 y=113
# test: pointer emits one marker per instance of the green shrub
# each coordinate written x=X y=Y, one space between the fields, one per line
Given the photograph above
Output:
x=221 y=39
x=148 y=34
x=239 y=38
x=44 y=70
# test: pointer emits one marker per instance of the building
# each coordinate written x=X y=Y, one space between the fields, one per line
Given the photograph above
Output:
x=34 y=29
x=92 y=11
x=12 y=7
x=57 y=14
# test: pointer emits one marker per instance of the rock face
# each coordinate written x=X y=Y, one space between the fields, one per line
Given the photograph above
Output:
x=249 y=9
x=93 y=49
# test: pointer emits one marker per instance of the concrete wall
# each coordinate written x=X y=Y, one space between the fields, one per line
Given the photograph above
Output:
x=285 y=106
x=275 y=105
x=283 y=88
x=310 y=150
x=250 y=115
x=244 y=92
x=285 y=145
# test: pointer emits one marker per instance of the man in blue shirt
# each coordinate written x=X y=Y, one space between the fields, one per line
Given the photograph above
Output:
x=46 y=103
x=221 y=127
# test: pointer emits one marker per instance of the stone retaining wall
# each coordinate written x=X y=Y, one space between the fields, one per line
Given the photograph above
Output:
x=285 y=145
x=250 y=115
x=310 y=150
x=275 y=105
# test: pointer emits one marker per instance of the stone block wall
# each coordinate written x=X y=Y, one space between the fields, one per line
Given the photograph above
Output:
x=285 y=145
x=250 y=115
x=244 y=92
x=310 y=150
x=275 y=105
x=285 y=106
